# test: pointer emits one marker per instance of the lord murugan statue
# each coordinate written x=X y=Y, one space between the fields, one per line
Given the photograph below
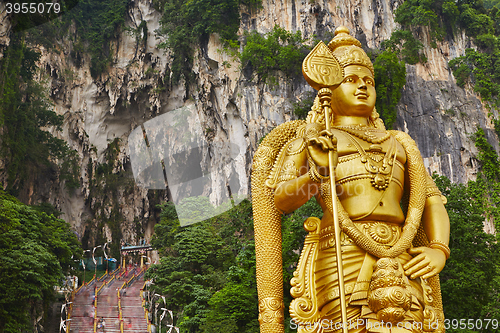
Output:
x=371 y=263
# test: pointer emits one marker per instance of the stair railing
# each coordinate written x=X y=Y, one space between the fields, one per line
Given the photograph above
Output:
x=143 y=302
x=95 y=312
x=120 y=312
x=124 y=285
x=70 y=310
x=105 y=275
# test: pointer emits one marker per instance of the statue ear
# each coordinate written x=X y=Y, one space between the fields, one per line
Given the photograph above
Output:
x=376 y=121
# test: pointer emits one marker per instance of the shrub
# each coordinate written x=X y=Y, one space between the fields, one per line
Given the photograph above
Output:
x=279 y=50
x=390 y=77
x=405 y=45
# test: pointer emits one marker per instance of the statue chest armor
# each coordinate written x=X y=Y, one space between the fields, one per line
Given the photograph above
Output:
x=370 y=178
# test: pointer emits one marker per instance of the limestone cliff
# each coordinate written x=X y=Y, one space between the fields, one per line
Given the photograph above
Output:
x=100 y=114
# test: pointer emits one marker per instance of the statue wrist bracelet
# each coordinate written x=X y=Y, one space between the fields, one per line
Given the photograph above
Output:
x=314 y=174
x=438 y=245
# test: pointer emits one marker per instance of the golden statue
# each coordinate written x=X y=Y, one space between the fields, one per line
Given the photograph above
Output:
x=386 y=222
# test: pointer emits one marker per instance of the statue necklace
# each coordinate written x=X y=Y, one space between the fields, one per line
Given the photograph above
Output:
x=365 y=133
x=379 y=168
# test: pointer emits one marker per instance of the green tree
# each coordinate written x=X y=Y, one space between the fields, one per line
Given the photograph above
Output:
x=234 y=308
x=413 y=13
x=390 y=77
x=403 y=44
x=186 y=24
x=36 y=252
x=279 y=50
x=302 y=107
x=480 y=68
x=475 y=22
x=470 y=283
x=97 y=23
x=467 y=281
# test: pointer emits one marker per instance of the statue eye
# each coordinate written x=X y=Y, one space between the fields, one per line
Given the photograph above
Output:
x=370 y=82
x=349 y=79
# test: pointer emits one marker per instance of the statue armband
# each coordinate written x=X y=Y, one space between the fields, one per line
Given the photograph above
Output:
x=288 y=172
x=313 y=172
x=432 y=189
x=286 y=166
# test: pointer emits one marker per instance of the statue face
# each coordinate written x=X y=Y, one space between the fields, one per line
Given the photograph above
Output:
x=356 y=95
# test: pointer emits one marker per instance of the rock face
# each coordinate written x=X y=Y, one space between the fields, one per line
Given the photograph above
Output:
x=100 y=114
x=441 y=116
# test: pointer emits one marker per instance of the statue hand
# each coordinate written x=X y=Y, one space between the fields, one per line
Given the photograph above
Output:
x=426 y=264
x=318 y=148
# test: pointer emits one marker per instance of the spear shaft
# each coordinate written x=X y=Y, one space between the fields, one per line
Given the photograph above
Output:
x=325 y=96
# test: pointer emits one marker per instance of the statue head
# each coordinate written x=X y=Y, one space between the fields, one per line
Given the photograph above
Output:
x=355 y=95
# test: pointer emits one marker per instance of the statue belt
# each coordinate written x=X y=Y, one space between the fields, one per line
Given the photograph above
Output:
x=383 y=233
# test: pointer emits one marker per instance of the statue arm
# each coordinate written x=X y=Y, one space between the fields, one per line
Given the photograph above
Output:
x=307 y=160
x=435 y=220
x=292 y=193
x=430 y=260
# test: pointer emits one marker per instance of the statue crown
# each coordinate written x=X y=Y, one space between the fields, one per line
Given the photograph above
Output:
x=347 y=50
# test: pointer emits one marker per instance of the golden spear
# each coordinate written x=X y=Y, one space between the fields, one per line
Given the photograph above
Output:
x=322 y=71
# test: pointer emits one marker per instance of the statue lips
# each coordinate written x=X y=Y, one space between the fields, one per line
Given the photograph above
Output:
x=361 y=95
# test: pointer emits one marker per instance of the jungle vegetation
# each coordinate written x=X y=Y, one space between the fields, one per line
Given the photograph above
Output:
x=37 y=251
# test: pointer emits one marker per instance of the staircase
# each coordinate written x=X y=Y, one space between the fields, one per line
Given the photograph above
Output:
x=134 y=320
x=82 y=311
x=107 y=308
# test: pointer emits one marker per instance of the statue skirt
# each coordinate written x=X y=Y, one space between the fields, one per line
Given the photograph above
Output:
x=358 y=270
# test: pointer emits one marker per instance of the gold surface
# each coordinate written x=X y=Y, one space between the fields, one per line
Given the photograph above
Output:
x=389 y=266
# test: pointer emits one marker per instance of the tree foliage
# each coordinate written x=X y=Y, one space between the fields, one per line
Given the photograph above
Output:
x=403 y=44
x=36 y=252
x=470 y=283
x=208 y=269
x=481 y=22
x=427 y=13
x=24 y=21
x=302 y=107
x=278 y=50
x=480 y=66
x=390 y=77
x=467 y=281
x=482 y=70
x=97 y=23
